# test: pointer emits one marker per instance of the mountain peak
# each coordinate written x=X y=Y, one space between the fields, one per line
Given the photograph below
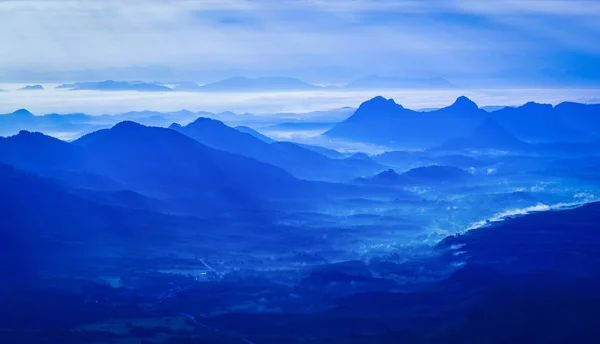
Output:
x=23 y=112
x=388 y=174
x=127 y=125
x=34 y=136
x=533 y=106
x=205 y=121
x=464 y=103
x=380 y=103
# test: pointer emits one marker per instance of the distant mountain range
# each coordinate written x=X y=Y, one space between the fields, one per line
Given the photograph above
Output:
x=71 y=126
x=567 y=127
x=382 y=121
x=260 y=84
x=76 y=124
x=110 y=85
x=491 y=137
x=32 y=88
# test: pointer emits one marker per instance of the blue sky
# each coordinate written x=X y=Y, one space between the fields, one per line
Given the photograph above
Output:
x=479 y=40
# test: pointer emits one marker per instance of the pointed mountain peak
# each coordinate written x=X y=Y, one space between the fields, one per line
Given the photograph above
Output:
x=386 y=177
x=23 y=112
x=464 y=103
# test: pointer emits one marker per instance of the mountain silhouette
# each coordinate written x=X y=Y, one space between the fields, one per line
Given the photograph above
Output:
x=583 y=118
x=462 y=104
x=111 y=85
x=32 y=88
x=330 y=153
x=39 y=153
x=162 y=161
x=300 y=161
x=383 y=121
x=254 y=133
x=536 y=122
x=387 y=177
x=156 y=162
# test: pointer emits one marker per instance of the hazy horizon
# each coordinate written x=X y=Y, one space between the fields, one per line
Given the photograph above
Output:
x=52 y=100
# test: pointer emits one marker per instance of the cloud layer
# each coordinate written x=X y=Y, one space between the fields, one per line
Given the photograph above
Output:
x=454 y=38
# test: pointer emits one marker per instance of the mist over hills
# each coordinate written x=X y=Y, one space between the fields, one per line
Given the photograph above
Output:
x=425 y=175
x=154 y=161
x=299 y=160
x=377 y=121
x=206 y=218
x=300 y=172
x=73 y=125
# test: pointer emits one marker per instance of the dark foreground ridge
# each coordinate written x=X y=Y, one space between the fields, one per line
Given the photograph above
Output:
x=532 y=278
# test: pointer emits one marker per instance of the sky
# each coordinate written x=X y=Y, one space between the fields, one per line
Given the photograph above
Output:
x=472 y=41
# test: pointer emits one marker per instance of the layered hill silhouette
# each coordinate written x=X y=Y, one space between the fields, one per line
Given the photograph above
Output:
x=382 y=121
x=250 y=131
x=77 y=124
x=157 y=162
x=47 y=224
x=536 y=122
x=298 y=160
x=111 y=85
